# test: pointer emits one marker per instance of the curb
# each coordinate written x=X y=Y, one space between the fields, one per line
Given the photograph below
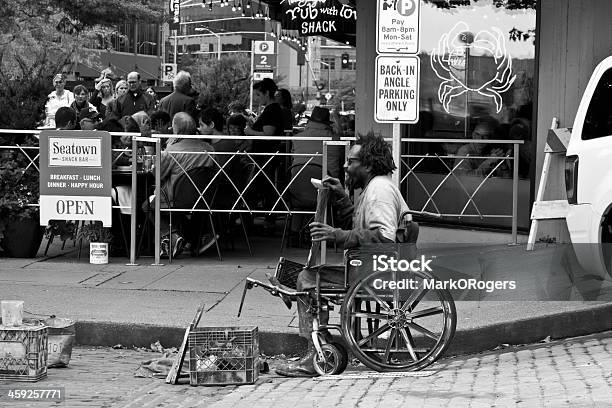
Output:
x=524 y=331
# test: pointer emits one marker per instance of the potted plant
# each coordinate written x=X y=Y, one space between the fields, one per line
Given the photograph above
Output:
x=99 y=238
x=20 y=232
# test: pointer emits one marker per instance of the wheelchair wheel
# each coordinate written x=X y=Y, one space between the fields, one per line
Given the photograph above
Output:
x=398 y=328
x=334 y=362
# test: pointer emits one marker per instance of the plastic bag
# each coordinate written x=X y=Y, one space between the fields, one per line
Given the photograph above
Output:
x=62 y=336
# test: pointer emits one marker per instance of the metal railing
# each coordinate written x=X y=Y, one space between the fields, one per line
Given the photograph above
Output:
x=455 y=170
x=260 y=178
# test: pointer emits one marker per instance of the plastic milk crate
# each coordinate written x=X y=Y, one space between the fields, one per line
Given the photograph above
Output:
x=23 y=352
x=223 y=355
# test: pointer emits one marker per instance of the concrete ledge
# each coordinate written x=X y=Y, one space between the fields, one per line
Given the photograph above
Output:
x=560 y=325
x=142 y=335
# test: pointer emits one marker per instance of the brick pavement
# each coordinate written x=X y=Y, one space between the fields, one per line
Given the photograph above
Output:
x=570 y=373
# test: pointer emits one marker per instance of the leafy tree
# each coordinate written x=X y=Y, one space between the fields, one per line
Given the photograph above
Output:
x=344 y=91
x=515 y=34
x=38 y=38
x=220 y=82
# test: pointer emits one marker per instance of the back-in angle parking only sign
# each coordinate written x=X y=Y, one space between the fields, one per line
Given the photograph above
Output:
x=397 y=89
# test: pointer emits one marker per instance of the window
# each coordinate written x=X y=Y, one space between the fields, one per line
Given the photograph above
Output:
x=328 y=60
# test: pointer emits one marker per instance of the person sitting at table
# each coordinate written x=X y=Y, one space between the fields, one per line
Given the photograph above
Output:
x=144 y=123
x=89 y=118
x=211 y=123
x=161 y=123
x=283 y=98
x=65 y=118
x=176 y=160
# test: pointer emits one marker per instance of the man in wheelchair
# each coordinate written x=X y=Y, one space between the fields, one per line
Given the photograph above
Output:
x=372 y=219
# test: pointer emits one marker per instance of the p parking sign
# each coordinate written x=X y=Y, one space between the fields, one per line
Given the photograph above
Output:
x=168 y=72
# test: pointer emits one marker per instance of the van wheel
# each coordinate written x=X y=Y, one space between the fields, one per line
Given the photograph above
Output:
x=606 y=242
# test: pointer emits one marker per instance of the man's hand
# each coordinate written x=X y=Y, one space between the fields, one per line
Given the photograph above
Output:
x=334 y=185
x=321 y=232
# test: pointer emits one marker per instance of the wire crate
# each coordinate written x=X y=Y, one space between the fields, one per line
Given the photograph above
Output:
x=287 y=272
x=23 y=352
x=223 y=355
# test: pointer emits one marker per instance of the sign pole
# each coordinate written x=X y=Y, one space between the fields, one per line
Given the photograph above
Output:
x=133 y=204
x=251 y=82
x=175 y=45
x=397 y=153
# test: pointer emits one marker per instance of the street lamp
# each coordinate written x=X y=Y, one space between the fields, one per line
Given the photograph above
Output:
x=143 y=43
x=216 y=35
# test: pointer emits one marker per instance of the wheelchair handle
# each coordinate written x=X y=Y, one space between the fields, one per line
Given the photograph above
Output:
x=423 y=213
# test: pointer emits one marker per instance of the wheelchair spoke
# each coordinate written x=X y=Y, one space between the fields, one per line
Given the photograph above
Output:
x=389 y=344
x=375 y=334
x=426 y=312
x=370 y=315
x=377 y=299
x=423 y=330
x=414 y=299
x=409 y=343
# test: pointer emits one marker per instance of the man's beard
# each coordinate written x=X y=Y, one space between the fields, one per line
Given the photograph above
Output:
x=350 y=183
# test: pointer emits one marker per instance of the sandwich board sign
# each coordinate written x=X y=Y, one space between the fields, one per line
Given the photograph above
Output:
x=397 y=26
x=75 y=176
x=397 y=89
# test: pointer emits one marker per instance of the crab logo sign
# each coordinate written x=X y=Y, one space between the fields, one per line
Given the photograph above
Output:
x=450 y=59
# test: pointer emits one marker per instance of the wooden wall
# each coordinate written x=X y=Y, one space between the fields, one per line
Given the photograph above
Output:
x=574 y=36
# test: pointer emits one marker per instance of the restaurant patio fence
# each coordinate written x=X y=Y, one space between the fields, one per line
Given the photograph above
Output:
x=258 y=168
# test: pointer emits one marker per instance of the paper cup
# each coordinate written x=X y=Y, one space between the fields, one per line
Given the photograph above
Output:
x=98 y=253
x=12 y=312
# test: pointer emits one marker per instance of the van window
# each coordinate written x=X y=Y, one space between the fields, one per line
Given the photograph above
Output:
x=598 y=121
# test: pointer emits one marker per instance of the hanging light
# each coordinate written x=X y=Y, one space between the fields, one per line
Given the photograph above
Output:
x=249 y=4
x=240 y=5
x=210 y=6
x=234 y=6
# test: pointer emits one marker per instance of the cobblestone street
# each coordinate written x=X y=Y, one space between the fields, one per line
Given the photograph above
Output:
x=573 y=373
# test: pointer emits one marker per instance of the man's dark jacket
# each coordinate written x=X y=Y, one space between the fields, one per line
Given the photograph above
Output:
x=178 y=102
x=133 y=102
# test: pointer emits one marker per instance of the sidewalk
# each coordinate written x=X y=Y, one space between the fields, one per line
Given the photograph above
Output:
x=137 y=305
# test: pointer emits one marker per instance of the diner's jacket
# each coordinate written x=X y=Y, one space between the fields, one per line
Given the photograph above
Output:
x=179 y=150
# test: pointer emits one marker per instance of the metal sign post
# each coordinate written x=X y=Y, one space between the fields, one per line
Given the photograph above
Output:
x=397 y=69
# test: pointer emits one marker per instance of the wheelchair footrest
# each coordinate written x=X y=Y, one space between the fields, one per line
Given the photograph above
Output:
x=285 y=293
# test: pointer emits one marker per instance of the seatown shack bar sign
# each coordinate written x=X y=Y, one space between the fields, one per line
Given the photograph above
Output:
x=397 y=89
x=315 y=17
x=75 y=176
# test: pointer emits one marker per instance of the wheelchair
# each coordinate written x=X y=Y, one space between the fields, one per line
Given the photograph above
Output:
x=391 y=319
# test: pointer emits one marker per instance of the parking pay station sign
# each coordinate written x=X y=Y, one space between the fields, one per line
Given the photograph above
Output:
x=397 y=89
x=397 y=23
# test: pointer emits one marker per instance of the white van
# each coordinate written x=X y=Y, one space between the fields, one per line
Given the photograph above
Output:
x=588 y=174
